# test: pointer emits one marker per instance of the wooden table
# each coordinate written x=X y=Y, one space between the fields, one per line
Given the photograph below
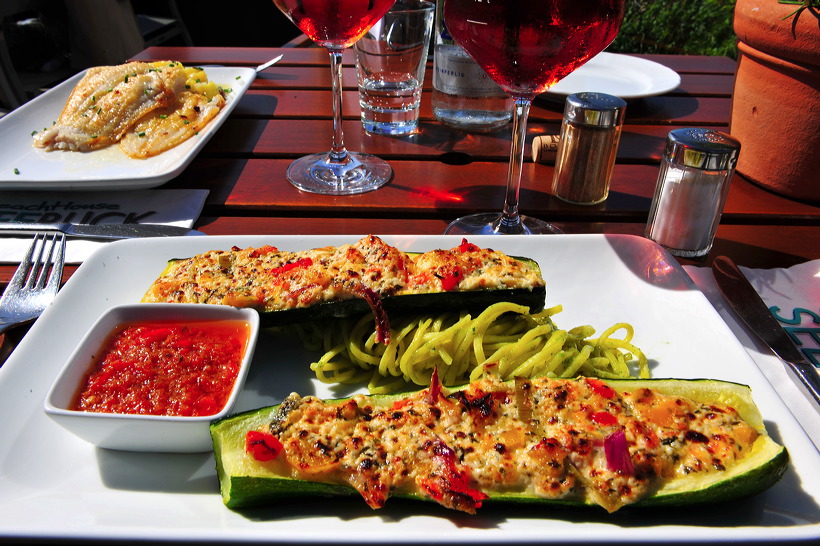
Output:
x=441 y=174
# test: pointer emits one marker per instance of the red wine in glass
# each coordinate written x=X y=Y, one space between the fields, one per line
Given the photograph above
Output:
x=527 y=46
x=336 y=25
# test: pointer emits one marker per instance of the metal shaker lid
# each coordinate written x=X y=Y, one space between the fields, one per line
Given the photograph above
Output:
x=704 y=149
x=596 y=109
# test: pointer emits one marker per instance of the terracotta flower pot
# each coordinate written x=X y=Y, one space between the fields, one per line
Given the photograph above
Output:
x=776 y=98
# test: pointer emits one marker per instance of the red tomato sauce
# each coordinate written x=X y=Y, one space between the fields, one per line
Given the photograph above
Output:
x=166 y=368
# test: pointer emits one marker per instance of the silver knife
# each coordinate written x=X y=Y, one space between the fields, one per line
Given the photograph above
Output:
x=268 y=64
x=748 y=305
x=98 y=231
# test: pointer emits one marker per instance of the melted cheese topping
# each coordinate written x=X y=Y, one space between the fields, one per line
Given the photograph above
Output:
x=552 y=438
x=271 y=279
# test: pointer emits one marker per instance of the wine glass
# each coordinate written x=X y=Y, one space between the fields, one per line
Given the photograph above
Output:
x=527 y=46
x=336 y=26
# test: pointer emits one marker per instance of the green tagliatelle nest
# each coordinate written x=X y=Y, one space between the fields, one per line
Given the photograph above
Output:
x=505 y=340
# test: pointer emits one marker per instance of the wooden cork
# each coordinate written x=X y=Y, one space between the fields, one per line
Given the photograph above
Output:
x=545 y=148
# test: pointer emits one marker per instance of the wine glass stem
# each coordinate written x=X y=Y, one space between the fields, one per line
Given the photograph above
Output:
x=337 y=151
x=510 y=221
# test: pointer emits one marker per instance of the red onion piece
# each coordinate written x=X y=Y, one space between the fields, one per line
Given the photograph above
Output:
x=434 y=392
x=617 y=453
x=375 y=303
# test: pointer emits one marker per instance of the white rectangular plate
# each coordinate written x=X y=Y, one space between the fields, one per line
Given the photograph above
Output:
x=55 y=485
x=24 y=167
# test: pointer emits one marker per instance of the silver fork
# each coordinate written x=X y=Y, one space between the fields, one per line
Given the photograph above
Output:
x=36 y=281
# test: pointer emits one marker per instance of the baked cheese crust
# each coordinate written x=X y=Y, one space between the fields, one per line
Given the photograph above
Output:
x=550 y=438
x=270 y=279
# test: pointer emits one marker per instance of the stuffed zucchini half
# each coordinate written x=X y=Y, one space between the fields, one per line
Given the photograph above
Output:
x=578 y=442
x=349 y=280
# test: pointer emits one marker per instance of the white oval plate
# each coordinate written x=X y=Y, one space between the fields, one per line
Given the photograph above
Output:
x=623 y=76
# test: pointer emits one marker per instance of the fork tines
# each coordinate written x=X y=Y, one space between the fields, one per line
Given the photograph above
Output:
x=50 y=257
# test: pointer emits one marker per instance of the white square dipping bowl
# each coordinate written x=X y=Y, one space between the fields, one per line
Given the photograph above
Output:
x=133 y=432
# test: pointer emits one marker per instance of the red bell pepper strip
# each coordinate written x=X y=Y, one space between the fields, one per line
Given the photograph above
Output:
x=450 y=280
x=604 y=418
x=467 y=247
x=262 y=446
x=300 y=263
x=600 y=388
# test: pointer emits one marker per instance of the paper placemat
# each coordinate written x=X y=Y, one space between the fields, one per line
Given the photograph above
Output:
x=170 y=207
x=793 y=296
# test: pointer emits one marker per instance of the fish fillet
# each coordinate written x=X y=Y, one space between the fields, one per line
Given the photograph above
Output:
x=109 y=100
x=164 y=128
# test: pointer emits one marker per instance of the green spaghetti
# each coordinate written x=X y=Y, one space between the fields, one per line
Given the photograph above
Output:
x=505 y=340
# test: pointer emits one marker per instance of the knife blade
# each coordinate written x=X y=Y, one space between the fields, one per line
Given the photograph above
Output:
x=268 y=64
x=98 y=231
x=748 y=305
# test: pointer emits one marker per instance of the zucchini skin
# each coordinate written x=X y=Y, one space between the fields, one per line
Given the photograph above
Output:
x=752 y=475
x=470 y=301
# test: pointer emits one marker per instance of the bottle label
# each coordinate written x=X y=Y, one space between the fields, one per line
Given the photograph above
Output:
x=456 y=73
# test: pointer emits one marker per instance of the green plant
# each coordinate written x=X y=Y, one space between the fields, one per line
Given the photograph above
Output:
x=687 y=27
x=804 y=4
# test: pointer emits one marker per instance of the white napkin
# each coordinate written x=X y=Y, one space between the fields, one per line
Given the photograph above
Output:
x=169 y=207
x=793 y=296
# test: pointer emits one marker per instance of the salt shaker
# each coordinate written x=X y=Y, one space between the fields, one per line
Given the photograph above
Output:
x=693 y=182
x=590 y=133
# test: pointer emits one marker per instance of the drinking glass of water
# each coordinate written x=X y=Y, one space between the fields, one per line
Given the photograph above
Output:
x=390 y=62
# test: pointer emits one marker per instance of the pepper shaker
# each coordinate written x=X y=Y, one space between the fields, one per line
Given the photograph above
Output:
x=691 y=191
x=590 y=133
